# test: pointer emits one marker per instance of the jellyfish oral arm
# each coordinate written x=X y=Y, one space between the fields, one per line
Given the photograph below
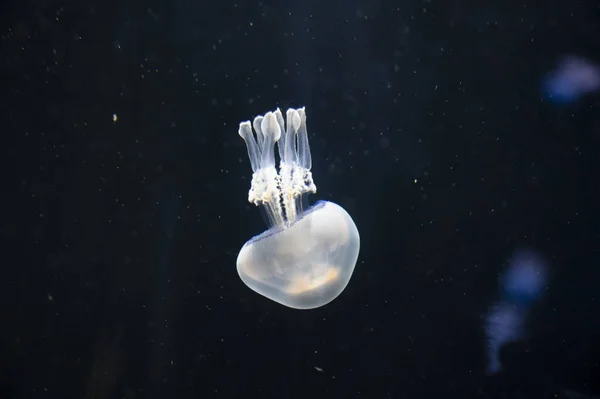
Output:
x=279 y=191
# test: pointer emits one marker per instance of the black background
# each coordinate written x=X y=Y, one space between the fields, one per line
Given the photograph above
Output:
x=427 y=124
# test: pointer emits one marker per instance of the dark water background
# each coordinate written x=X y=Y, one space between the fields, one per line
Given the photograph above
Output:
x=427 y=125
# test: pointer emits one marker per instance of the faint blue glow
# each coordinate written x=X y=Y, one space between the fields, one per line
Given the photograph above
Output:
x=572 y=78
x=525 y=278
x=522 y=284
x=503 y=324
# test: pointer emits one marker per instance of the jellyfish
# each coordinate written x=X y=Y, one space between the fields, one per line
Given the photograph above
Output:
x=573 y=78
x=522 y=284
x=307 y=256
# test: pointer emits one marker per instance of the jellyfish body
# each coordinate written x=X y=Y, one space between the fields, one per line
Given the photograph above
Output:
x=573 y=78
x=524 y=280
x=307 y=257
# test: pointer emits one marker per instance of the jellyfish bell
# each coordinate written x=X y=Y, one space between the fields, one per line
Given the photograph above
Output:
x=306 y=258
x=305 y=265
x=525 y=278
